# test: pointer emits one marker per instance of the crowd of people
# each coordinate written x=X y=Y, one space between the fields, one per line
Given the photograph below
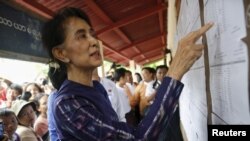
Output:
x=23 y=110
x=23 y=107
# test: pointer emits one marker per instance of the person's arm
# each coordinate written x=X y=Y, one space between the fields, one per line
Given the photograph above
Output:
x=137 y=92
x=132 y=99
x=50 y=116
x=85 y=122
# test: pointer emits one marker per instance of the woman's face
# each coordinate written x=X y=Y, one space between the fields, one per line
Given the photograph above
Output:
x=12 y=94
x=147 y=76
x=10 y=124
x=43 y=104
x=80 y=46
x=129 y=77
x=161 y=73
x=33 y=89
x=27 y=116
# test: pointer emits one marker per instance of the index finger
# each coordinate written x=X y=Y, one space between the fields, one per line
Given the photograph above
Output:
x=203 y=30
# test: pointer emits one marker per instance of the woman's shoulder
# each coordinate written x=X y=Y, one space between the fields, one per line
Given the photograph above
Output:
x=23 y=130
x=26 y=133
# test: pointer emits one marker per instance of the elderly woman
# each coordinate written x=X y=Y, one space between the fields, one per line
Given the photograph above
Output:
x=26 y=117
x=83 y=113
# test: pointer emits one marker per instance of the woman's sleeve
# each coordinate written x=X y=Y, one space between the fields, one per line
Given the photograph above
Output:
x=80 y=119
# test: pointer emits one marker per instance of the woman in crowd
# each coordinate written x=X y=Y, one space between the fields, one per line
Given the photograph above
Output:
x=26 y=117
x=10 y=123
x=83 y=113
x=34 y=89
x=138 y=78
x=41 y=123
x=145 y=91
x=13 y=92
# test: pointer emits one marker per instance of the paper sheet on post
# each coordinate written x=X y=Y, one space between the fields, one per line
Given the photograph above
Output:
x=228 y=63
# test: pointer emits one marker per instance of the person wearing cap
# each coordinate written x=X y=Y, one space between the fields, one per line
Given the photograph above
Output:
x=25 y=112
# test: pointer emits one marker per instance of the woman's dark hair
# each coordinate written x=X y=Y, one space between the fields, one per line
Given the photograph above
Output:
x=6 y=112
x=34 y=84
x=53 y=34
x=156 y=84
x=161 y=67
x=17 y=88
x=138 y=77
x=119 y=73
x=150 y=70
x=129 y=72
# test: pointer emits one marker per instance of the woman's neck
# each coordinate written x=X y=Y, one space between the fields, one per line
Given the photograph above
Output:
x=81 y=76
x=44 y=115
x=25 y=124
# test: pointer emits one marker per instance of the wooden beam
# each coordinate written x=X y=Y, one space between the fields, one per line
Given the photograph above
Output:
x=99 y=12
x=162 y=20
x=142 y=41
x=65 y=3
x=57 y=4
x=106 y=46
x=150 y=60
x=133 y=18
x=149 y=52
x=36 y=8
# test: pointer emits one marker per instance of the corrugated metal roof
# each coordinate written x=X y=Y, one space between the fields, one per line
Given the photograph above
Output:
x=129 y=29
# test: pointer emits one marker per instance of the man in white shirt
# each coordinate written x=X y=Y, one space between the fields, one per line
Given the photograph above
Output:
x=128 y=99
x=114 y=97
x=129 y=81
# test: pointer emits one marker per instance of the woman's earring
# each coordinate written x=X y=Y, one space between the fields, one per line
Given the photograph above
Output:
x=66 y=60
x=54 y=64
